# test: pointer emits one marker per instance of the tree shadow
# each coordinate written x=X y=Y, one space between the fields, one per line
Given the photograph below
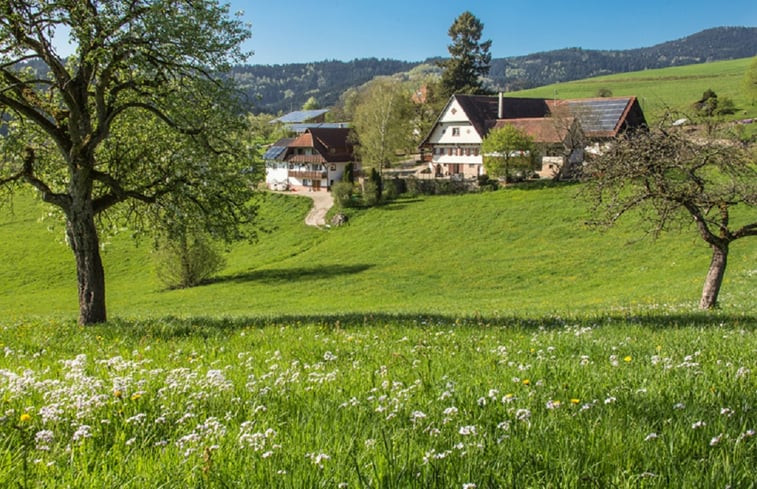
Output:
x=278 y=275
x=540 y=184
x=169 y=327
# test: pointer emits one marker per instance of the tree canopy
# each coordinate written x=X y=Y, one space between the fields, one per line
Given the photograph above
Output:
x=134 y=128
x=676 y=180
x=508 y=151
x=470 y=58
x=383 y=123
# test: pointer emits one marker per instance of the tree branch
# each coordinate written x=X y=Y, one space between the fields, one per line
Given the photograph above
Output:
x=27 y=174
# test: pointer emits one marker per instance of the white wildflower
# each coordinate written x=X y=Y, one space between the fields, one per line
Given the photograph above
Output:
x=416 y=416
x=716 y=440
x=82 y=432
x=318 y=458
x=522 y=414
x=43 y=439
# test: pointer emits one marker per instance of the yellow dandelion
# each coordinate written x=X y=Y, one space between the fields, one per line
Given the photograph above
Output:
x=526 y=382
x=117 y=393
x=575 y=401
x=25 y=418
x=135 y=396
x=627 y=358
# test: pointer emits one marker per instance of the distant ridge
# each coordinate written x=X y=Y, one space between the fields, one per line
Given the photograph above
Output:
x=281 y=88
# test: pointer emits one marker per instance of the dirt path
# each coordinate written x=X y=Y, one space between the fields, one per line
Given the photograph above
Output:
x=322 y=202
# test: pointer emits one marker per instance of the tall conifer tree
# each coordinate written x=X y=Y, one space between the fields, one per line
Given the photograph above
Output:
x=469 y=60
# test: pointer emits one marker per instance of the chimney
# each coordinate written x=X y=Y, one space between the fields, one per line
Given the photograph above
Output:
x=500 y=107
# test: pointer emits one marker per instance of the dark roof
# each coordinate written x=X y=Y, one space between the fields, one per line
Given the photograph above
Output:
x=331 y=143
x=483 y=110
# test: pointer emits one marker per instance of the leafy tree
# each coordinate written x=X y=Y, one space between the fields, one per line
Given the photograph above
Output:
x=508 y=151
x=311 y=104
x=469 y=60
x=675 y=181
x=135 y=128
x=382 y=123
x=710 y=105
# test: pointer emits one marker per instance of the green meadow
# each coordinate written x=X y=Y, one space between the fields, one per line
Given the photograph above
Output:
x=522 y=251
x=470 y=341
x=665 y=90
x=481 y=340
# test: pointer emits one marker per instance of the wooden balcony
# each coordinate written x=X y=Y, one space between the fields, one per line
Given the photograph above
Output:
x=311 y=175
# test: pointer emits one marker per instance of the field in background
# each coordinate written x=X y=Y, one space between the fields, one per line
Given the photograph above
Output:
x=664 y=90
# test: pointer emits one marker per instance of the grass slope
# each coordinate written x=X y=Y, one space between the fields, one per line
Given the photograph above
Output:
x=518 y=252
x=662 y=90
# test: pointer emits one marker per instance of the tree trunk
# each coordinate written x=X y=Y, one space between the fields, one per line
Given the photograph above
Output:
x=82 y=237
x=714 y=277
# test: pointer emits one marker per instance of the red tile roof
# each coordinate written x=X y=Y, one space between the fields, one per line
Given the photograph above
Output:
x=542 y=130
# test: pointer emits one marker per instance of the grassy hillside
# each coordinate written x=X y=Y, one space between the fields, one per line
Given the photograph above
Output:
x=512 y=252
x=668 y=88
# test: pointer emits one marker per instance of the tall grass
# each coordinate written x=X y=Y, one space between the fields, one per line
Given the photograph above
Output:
x=647 y=401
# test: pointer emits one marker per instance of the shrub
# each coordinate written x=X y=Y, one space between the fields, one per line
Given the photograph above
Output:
x=370 y=193
x=343 y=194
x=187 y=260
x=394 y=188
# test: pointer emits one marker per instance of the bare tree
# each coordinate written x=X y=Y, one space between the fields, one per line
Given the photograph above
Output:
x=677 y=180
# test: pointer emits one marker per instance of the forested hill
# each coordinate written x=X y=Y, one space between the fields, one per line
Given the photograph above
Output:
x=281 y=88
x=575 y=63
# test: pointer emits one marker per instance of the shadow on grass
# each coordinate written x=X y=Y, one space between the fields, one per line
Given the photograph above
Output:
x=276 y=275
x=204 y=327
x=539 y=184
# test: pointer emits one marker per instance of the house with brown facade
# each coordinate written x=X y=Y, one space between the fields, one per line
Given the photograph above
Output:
x=312 y=161
x=563 y=129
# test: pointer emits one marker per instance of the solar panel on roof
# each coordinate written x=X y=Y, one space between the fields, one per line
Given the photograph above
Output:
x=274 y=152
x=300 y=116
x=598 y=115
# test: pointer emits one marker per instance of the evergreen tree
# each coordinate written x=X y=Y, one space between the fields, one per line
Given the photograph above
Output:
x=470 y=58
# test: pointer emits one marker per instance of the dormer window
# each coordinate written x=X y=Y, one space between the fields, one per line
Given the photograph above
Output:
x=455 y=131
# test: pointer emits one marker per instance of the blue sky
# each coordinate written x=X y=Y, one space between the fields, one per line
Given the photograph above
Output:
x=292 y=31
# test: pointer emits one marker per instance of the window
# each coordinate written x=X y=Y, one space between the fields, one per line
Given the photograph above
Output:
x=455 y=131
x=467 y=151
x=475 y=151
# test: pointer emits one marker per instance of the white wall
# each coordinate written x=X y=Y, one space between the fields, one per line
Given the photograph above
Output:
x=276 y=174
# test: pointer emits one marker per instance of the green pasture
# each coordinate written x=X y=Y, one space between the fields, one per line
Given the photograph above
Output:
x=520 y=251
x=664 y=90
